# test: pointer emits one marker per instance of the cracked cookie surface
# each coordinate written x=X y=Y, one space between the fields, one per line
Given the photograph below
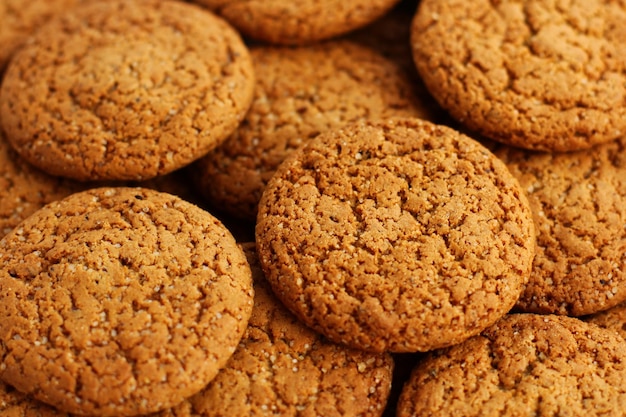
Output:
x=300 y=92
x=126 y=90
x=525 y=365
x=119 y=301
x=282 y=367
x=547 y=75
x=396 y=235
x=307 y=21
x=578 y=201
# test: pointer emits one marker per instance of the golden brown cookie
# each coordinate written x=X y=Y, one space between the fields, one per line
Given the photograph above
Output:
x=300 y=92
x=19 y=19
x=397 y=235
x=294 y=23
x=25 y=189
x=524 y=366
x=534 y=74
x=578 y=201
x=125 y=89
x=283 y=368
x=119 y=301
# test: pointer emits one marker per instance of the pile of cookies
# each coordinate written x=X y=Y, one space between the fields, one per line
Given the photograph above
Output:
x=364 y=208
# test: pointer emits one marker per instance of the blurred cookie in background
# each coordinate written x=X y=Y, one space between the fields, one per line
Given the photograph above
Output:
x=300 y=93
x=286 y=22
x=19 y=19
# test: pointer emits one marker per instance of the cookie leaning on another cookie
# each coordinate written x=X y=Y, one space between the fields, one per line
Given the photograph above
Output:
x=119 y=301
x=125 y=90
x=300 y=92
x=396 y=235
x=538 y=75
x=526 y=365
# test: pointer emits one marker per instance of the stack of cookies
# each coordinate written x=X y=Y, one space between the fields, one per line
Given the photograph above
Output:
x=322 y=208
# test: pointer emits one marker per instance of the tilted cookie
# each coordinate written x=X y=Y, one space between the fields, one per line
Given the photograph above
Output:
x=578 y=201
x=397 y=235
x=295 y=23
x=526 y=365
x=533 y=74
x=119 y=301
x=281 y=367
x=300 y=92
x=125 y=90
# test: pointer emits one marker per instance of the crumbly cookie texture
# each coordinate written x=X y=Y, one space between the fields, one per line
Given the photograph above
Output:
x=300 y=92
x=20 y=19
x=525 y=365
x=397 y=235
x=578 y=201
x=281 y=367
x=119 y=301
x=305 y=22
x=613 y=319
x=25 y=189
x=125 y=90
x=533 y=74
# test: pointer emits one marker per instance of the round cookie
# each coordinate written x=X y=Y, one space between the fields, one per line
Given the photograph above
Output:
x=300 y=92
x=525 y=365
x=25 y=189
x=125 y=90
x=578 y=201
x=287 y=23
x=20 y=19
x=119 y=301
x=533 y=74
x=281 y=367
x=396 y=235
